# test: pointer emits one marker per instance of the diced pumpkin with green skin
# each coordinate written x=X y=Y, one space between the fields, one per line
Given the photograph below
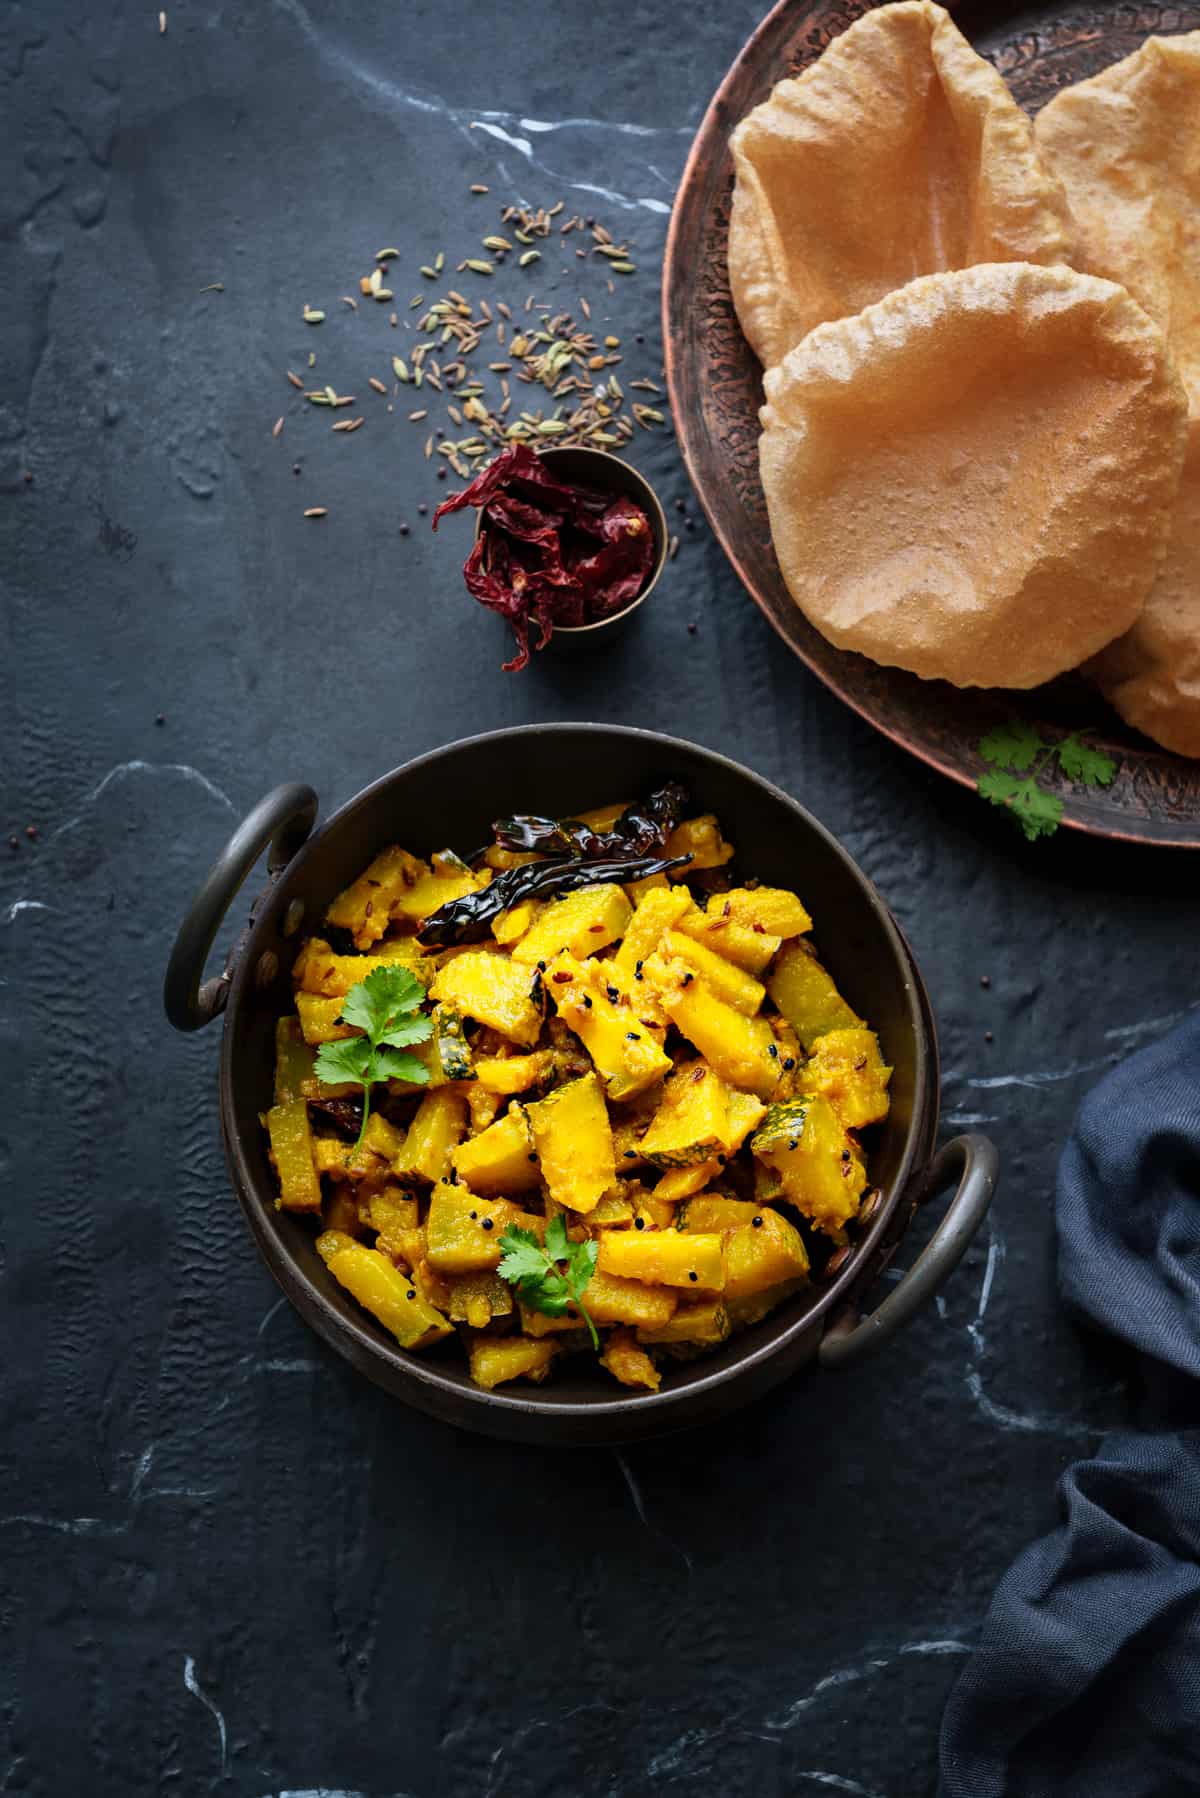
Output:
x=704 y=1323
x=581 y=923
x=663 y=1258
x=498 y=1359
x=821 y=1173
x=508 y=1074
x=847 y=1068
x=430 y=891
x=573 y=1140
x=624 y=1051
x=610 y=1299
x=681 y=1182
x=614 y=1209
x=452 y=1050
x=628 y=1362
x=751 y=1310
x=320 y=1019
x=659 y=911
x=701 y=839
x=742 y=1050
x=494 y=990
x=291 y=1141
x=737 y=943
x=392 y=1214
x=462 y=1232
x=319 y=969
x=294 y=1063
x=365 y=908
x=382 y=1289
x=745 y=1114
x=805 y=993
x=707 y=1212
x=759 y=1255
x=730 y=983
x=438 y=1127
x=502 y=1158
x=692 y=1122
x=775 y=910
x=475 y=1299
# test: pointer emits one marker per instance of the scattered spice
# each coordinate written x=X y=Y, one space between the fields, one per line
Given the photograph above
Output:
x=312 y=316
x=214 y=287
x=294 y=379
x=162 y=24
x=317 y=512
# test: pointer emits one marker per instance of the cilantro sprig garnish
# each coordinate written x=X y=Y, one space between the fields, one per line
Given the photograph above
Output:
x=385 y=1007
x=533 y=1268
x=1019 y=755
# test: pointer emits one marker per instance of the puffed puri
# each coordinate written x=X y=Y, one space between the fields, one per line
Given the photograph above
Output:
x=974 y=478
x=898 y=153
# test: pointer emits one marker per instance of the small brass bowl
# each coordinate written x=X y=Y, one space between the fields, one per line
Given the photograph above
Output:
x=607 y=474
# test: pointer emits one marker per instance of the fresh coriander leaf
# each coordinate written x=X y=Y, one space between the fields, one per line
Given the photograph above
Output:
x=1013 y=745
x=344 y=1061
x=385 y=995
x=396 y=1064
x=1037 y=812
x=533 y=1269
x=407 y=1030
x=999 y=786
x=1079 y=761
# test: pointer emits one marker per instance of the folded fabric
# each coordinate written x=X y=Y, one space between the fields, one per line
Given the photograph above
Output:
x=1086 y=1680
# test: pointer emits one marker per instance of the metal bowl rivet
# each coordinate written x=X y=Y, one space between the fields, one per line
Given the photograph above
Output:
x=293 y=917
x=266 y=969
x=870 y=1205
x=838 y=1260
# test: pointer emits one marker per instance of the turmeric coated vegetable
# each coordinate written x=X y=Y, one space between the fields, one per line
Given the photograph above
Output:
x=618 y=1124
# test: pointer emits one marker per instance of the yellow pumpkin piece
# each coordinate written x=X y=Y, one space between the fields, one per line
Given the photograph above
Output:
x=502 y=1158
x=340 y=1211
x=660 y=909
x=319 y=969
x=343 y=1161
x=601 y=818
x=847 y=1068
x=475 y=1299
x=731 y=984
x=742 y=1050
x=655 y=1211
x=681 y=1182
x=636 y=890
x=494 y=990
x=504 y=859
x=392 y=1214
x=804 y=992
x=737 y=943
x=538 y=1323
x=320 y=1019
x=762 y=1254
x=581 y=923
x=663 y=1258
x=751 y=1310
x=512 y=924
x=708 y=1212
x=381 y=1138
x=497 y=1359
x=745 y=1114
x=767 y=911
x=294 y=1076
x=613 y=1209
x=382 y=1289
x=438 y=1126
x=508 y=1074
x=484 y=1107
x=624 y=1051
x=462 y=1232
x=430 y=891
x=819 y=1169
x=707 y=1322
x=365 y=908
x=701 y=839
x=291 y=1148
x=613 y=1300
x=629 y=1363
x=692 y=1122
x=573 y=1140
x=408 y=1246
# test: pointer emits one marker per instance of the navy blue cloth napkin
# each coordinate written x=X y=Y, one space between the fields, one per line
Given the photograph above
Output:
x=1086 y=1680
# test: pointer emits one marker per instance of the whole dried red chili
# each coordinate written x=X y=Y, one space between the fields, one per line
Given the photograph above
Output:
x=550 y=553
x=469 y=919
x=639 y=830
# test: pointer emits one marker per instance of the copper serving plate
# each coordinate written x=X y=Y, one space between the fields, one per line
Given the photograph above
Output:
x=715 y=385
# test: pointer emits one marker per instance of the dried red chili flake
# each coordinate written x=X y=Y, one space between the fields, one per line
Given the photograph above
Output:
x=550 y=553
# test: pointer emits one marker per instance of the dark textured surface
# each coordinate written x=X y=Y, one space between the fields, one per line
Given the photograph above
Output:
x=228 y=1565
